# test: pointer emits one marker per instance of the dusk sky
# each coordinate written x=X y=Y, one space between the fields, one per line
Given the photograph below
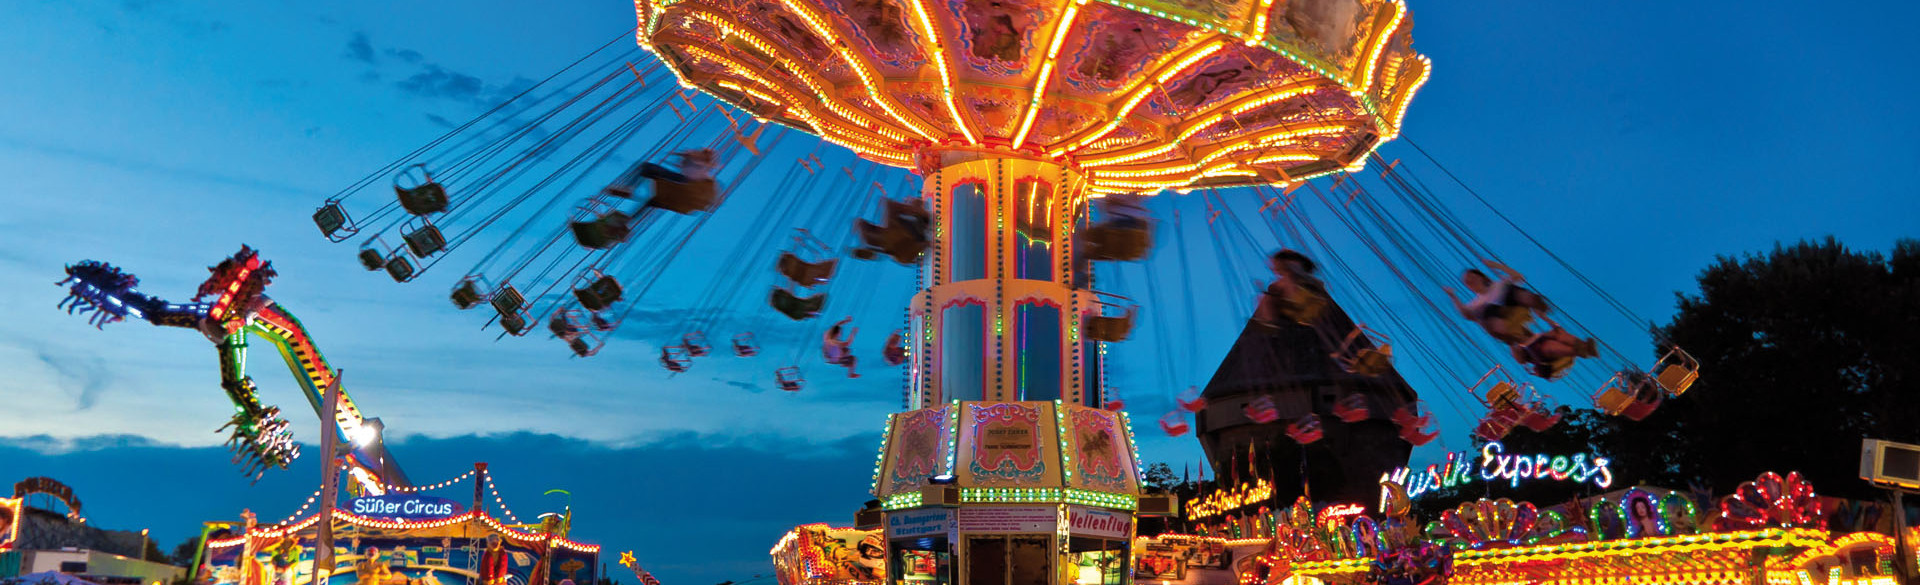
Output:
x=1636 y=140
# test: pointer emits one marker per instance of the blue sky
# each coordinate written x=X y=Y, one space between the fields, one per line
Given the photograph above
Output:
x=1636 y=140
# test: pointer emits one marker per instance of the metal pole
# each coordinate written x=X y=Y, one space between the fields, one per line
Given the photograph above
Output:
x=1901 y=557
x=329 y=485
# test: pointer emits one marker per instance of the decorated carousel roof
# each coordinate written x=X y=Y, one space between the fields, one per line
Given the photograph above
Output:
x=1139 y=95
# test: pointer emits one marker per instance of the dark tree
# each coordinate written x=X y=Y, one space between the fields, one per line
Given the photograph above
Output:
x=1803 y=351
x=183 y=553
x=1160 y=475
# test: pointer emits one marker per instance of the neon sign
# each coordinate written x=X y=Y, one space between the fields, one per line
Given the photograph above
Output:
x=1220 y=502
x=1461 y=468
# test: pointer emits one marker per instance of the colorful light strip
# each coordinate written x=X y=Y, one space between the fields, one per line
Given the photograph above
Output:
x=859 y=67
x=1379 y=44
x=1143 y=89
x=272 y=531
x=939 y=52
x=1041 y=81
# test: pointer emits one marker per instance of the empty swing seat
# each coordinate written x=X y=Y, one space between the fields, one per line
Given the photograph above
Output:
x=682 y=198
x=331 y=218
x=797 y=308
x=400 y=268
x=1677 y=371
x=1105 y=242
x=596 y=296
x=696 y=344
x=1503 y=395
x=428 y=197
x=371 y=259
x=744 y=346
x=674 y=358
x=805 y=273
x=467 y=294
x=603 y=232
x=581 y=347
x=514 y=323
x=508 y=300
x=788 y=378
x=425 y=241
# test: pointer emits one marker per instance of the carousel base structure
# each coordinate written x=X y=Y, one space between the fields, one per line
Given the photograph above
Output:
x=988 y=493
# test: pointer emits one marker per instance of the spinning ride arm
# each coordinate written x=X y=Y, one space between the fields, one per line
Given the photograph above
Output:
x=238 y=309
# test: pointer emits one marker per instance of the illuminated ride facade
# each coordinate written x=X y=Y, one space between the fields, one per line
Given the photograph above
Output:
x=403 y=536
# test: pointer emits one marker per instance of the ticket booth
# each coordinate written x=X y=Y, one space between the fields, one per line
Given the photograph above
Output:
x=1008 y=493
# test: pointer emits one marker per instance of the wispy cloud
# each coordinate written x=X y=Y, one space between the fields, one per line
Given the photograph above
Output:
x=435 y=82
x=360 y=48
x=86 y=377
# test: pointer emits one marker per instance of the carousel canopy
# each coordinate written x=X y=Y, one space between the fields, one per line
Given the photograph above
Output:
x=1140 y=95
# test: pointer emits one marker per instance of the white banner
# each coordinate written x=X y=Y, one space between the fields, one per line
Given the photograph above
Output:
x=1084 y=521
x=1010 y=519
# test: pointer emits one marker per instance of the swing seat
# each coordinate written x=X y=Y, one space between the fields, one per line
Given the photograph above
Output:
x=696 y=344
x=682 y=198
x=1539 y=419
x=563 y=327
x=675 y=358
x=1677 y=371
x=426 y=198
x=1261 y=410
x=1108 y=242
x=581 y=347
x=1613 y=399
x=1369 y=362
x=896 y=242
x=467 y=294
x=1174 y=424
x=1646 y=399
x=804 y=273
x=788 y=378
x=1502 y=395
x=400 y=268
x=1194 y=405
x=371 y=259
x=603 y=232
x=331 y=218
x=797 y=308
x=425 y=241
x=1352 y=409
x=596 y=296
x=507 y=300
x=1108 y=329
x=1498 y=423
x=514 y=323
x=744 y=346
x=1115 y=405
x=1306 y=430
